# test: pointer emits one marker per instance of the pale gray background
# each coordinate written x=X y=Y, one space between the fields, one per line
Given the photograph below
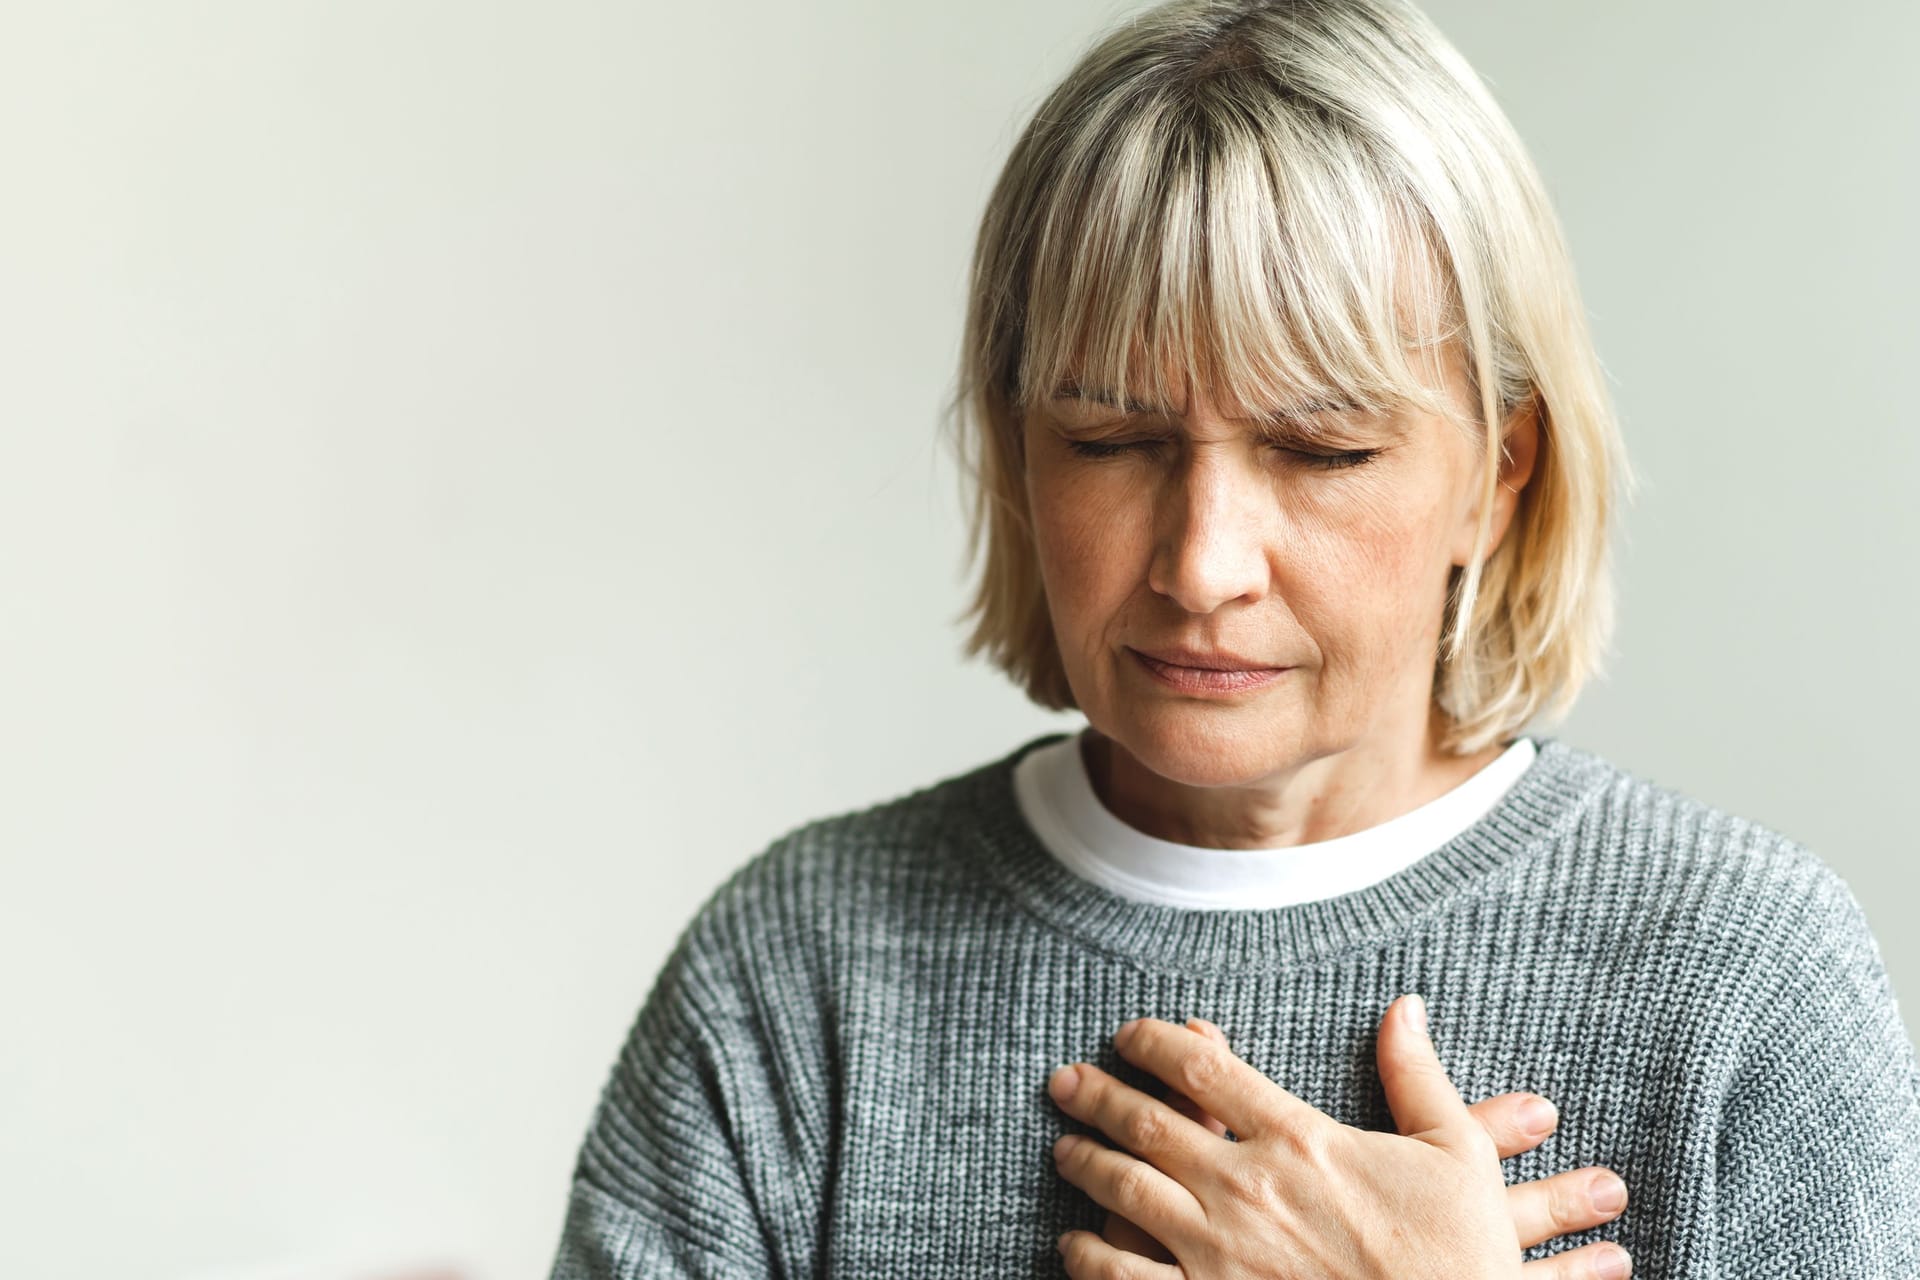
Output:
x=471 y=481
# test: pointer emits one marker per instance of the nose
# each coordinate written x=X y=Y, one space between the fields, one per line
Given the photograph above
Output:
x=1208 y=544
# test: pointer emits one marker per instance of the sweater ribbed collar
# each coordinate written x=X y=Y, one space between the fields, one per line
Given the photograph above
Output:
x=1536 y=810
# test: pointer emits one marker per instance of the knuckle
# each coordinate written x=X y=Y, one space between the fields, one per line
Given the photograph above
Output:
x=1080 y=1159
x=1247 y=1182
x=1307 y=1144
x=1199 y=1072
x=1567 y=1205
x=1146 y=1129
x=1133 y=1185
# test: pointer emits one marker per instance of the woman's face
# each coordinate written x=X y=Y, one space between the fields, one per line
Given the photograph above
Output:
x=1323 y=560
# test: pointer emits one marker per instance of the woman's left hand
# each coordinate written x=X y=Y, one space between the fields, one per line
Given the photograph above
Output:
x=1299 y=1196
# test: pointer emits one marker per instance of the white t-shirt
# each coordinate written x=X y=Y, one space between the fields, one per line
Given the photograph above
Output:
x=1058 y=800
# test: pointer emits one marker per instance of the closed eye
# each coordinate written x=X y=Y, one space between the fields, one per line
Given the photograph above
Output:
x=1314 y=461
x=1335 y=461
x=1108 y=449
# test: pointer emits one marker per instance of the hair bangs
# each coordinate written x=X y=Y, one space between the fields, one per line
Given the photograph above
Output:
x=1250 y=255
x=1116 y=264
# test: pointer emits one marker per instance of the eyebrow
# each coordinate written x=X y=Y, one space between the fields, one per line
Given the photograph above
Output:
x=1071 y=390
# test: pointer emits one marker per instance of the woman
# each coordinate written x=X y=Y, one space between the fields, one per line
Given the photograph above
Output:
x=1293 y=471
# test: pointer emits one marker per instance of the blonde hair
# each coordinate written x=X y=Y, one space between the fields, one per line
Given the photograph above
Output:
x=1279 y=197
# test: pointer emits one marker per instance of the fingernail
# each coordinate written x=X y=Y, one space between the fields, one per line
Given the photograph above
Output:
x=1064 y=1144
x=1616 y=1264
x=1063 y=1082
x=1609 y=1195
x=1417 y=1013
x=1061 y=1243
x=1537 y=1115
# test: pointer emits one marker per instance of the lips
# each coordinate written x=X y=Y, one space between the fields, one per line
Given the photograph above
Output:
x=1207 y=682
x=1208 y=659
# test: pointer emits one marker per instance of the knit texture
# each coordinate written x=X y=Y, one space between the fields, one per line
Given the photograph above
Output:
x=841 y=1069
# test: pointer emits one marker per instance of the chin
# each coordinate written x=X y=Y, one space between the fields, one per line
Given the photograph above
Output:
x=1205 y=746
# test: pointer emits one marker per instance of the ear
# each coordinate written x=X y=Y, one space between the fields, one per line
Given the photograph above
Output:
x=1519 y=451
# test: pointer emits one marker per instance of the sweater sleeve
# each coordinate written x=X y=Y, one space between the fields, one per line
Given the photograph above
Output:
x=692 y=1169
x=1818 y=1165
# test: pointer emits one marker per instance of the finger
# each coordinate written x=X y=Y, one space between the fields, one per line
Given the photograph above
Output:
x=1131 y=1188
x=1130 y=1238
x=1510 y=1122
x=1091 y=1258
x=1144 y=1126
x=1214 y=1076
x=1187 y=1106
x=1184 y=1105
x=1206 y=1028
x=1423 y=1100
x=1564 y=1203
x=1588 y=1262
x=1195 y=1112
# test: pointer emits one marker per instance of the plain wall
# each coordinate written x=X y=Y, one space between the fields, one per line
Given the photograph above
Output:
x=471 y=480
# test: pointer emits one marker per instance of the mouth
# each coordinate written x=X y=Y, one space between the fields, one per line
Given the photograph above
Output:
x=1206 y=672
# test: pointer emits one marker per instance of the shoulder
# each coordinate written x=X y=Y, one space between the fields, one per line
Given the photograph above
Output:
x=1743 y=946
x=905 y=836
x=861 y=871
x=1692 y=877
x=1662 y=829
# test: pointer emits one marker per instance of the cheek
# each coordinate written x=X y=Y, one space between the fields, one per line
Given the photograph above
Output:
x=1367 y=572
x=1082 y=533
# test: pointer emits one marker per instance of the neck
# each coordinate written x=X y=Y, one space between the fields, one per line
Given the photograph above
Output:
x=1317 y=799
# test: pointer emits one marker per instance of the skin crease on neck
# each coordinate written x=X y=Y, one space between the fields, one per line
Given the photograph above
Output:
x=1208 y=536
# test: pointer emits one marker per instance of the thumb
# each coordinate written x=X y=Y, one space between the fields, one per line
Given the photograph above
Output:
x=1422 y=1098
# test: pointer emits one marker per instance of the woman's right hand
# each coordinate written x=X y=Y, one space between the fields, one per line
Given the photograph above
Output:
x=1542 y=1209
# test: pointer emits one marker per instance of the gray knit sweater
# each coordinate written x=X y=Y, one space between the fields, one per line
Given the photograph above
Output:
x=841 y=1069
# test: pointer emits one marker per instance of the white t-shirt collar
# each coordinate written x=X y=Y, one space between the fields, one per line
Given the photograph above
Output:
x=1058 y=800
